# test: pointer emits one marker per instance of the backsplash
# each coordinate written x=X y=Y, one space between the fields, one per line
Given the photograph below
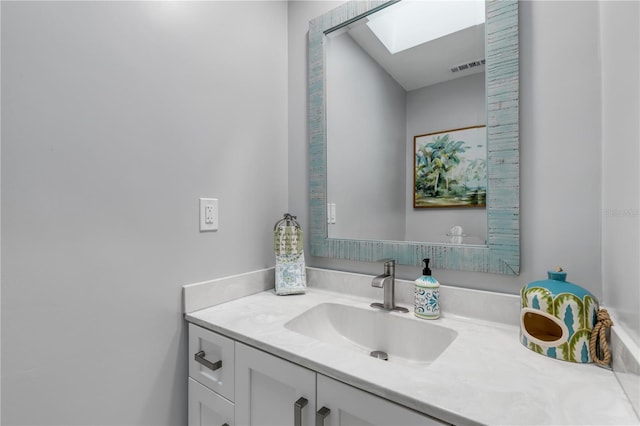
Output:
x=483 y=305
x=214 y=292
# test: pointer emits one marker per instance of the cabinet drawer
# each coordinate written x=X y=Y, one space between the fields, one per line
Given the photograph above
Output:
x=207 y=408
x=211 y=360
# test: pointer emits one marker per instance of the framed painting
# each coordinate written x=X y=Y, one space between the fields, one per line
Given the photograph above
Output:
x=450 y=168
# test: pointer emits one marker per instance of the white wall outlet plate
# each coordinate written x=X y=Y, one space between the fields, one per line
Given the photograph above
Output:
x=331 y=213
x=208 y=214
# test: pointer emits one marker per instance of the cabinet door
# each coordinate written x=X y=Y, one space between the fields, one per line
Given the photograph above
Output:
x=267 y=389
x=207 y=408
x=352 y=407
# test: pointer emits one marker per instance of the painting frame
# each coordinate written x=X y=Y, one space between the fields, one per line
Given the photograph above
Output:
x=450 y=168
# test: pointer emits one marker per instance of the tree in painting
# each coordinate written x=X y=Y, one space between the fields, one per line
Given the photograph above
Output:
x=434 y=164
x=444 y=177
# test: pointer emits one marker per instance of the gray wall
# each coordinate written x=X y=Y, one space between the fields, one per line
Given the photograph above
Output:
x=117 y=117
x=450 y=105
x=561 y=144
x=620 y=159
x=366 y=156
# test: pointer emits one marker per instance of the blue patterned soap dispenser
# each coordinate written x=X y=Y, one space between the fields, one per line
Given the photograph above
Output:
x=427 y=302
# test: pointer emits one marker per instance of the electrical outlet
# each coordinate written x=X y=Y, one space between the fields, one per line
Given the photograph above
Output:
x=208 y=214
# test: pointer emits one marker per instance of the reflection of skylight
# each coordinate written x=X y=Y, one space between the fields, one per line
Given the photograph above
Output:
x=413 y=22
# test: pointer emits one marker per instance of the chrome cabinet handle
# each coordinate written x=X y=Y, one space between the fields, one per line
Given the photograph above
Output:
x=199 y=357
x=297 y=410
x=321 y=414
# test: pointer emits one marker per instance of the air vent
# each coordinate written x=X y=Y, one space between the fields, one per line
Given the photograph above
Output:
x=468 y=65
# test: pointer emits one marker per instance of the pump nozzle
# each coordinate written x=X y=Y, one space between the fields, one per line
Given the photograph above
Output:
x=426 y=270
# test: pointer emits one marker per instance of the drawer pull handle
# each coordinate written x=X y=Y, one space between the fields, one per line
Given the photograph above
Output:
x=321 y=414
x=297 y=410
x=199 y=357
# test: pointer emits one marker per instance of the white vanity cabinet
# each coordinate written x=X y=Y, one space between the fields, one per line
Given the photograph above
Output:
x=211 y=378
x=272 y=391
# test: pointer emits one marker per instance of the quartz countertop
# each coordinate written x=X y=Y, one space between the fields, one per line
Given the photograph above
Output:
x=484 y=377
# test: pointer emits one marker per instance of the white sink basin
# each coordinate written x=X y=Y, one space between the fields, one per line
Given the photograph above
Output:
x=405 y=339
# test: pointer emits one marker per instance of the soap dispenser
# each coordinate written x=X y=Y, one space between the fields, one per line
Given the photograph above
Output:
x=427 y=294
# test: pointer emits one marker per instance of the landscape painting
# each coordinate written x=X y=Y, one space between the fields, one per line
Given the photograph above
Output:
x=450 y=168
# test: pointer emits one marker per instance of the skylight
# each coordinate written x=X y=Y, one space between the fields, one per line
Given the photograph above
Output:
x=414 y=22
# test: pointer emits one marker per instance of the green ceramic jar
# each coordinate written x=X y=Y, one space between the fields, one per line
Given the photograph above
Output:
x=557 y=317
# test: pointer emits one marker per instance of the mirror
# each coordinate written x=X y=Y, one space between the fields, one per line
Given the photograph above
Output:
x=497 y=251
x=400 y=72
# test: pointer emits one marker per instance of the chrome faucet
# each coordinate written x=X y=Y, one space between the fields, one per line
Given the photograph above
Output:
x=387 y=281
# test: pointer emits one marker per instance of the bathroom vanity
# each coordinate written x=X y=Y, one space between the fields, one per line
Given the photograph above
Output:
x=271 y=390
x=283 y=361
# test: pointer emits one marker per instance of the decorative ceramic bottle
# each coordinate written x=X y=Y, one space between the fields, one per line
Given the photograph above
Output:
x=557 y=318
x=427 y=294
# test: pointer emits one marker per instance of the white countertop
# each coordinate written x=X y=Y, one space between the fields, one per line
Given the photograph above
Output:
x=485 y=376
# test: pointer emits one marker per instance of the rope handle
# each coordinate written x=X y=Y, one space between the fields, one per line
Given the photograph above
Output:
x=599 y=340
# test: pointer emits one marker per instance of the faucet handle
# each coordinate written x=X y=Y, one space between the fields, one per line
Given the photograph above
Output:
x=389 y=266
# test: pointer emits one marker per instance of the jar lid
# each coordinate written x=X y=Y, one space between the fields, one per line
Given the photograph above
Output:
x=556 y=284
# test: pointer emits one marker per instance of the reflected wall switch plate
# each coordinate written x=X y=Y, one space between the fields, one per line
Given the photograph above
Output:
x=331 y=213
x=208 y=214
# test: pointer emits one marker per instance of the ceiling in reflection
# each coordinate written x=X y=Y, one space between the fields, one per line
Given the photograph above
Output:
x=428 y=62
